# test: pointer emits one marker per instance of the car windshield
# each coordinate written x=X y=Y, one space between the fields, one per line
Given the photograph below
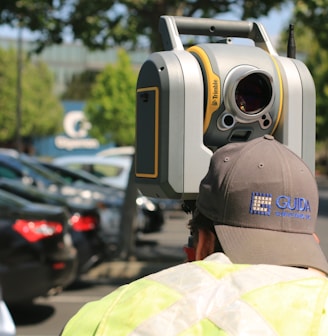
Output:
x=36 y=168
x=74 y=175
x=113 y=171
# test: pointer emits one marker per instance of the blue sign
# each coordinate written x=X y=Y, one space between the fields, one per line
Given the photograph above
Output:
x=75 y=139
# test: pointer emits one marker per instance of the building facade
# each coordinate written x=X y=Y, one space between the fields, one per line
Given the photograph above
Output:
x=66 y=60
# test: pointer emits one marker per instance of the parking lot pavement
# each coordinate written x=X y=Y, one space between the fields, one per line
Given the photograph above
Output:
x=153 y=252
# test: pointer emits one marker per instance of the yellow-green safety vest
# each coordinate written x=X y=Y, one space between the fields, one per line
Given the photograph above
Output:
x=211 y=297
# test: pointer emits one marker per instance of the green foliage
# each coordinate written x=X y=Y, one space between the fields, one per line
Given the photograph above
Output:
x=101 y=23
x=111 y=107
x=313 y=14
x=41 y=112
x=317 y=62
x=38 y=15
x=312 y=30
x=7 y=95
x=79 y=87
x=315 y=57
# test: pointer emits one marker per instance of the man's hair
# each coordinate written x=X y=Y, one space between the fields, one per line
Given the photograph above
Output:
x=199 y=221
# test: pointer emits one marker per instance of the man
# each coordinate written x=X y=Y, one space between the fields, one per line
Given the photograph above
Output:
x=259 y=268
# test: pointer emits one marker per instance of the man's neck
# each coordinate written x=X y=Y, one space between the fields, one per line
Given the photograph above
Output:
x=317 y=272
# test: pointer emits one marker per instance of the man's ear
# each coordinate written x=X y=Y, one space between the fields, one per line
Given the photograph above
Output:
x=205 y=245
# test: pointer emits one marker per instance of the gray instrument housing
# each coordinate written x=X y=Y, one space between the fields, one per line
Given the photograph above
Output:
x=175 y=132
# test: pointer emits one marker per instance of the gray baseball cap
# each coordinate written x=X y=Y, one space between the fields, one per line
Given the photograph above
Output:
x=264 y=202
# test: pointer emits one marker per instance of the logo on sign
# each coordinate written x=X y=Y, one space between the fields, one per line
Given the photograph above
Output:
x=76 y=127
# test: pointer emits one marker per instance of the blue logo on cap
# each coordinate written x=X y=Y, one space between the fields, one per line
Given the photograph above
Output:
x=260 y=204
x=297 y=207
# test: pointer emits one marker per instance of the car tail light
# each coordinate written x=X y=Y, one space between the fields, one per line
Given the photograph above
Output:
x=35 y=230
x=58 y=266
x=83 y=223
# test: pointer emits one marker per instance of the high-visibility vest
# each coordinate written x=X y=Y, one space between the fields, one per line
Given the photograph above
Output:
x=211 y=297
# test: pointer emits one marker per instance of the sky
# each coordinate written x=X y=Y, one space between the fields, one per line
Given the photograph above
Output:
x=273 y=24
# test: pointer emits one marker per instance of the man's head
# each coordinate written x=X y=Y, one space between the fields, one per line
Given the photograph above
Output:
x=263 y=201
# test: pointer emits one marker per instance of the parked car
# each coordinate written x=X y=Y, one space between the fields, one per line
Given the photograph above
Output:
x=29 y=171
x=37 y=256
x=84 y=222
x=150 y=216
x=113 y=166
x=128 y=151
x=114 y=171
x=75 y=176
x=117 y=151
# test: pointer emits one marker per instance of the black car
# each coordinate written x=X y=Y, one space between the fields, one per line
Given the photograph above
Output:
x=29 y=171
x=84 y=221
x=109 y=200
x=37 y=256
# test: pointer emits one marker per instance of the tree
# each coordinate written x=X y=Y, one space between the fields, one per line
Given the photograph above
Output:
x=111 y=107
x=111 y=111
x=101 y=23
x=41 y=111
x=317 y=62
x=316 y=59
x=313 y=15
x=79 y=87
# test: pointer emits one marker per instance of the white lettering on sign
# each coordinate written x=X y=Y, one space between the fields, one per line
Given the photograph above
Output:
x=63 y=142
